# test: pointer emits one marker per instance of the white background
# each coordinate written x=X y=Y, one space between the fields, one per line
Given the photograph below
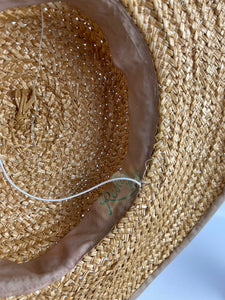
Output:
x=198 y=272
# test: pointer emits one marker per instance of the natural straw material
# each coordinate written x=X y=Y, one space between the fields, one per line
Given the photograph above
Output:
x=187 y=169
x=80 y=95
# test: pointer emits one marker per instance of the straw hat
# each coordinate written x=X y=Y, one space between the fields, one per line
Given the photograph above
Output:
x=107 y=89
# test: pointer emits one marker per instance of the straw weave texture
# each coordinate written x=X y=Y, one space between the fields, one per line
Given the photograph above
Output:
x=186 y=172
x=81 y=126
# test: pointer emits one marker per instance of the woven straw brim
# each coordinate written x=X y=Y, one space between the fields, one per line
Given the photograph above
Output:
x=186 y=174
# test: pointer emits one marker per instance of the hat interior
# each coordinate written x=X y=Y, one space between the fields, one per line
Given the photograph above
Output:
x=95 y=119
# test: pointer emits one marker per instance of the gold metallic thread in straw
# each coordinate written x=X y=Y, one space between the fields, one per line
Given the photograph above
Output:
x=34 y=88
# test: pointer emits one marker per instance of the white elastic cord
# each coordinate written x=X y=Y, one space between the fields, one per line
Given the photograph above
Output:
x=66 y=198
